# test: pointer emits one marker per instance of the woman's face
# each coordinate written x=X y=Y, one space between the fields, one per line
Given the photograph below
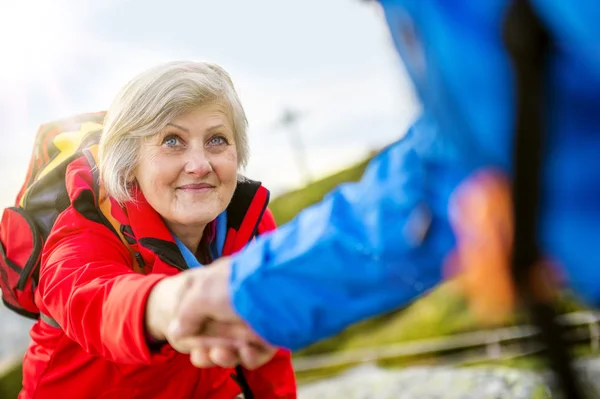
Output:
x=188 y=171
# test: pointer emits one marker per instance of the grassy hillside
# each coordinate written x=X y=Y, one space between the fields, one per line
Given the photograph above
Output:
x=286 y=206
x=10 y=382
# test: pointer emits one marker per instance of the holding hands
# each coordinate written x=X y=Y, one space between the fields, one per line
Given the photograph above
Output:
x=192 y=311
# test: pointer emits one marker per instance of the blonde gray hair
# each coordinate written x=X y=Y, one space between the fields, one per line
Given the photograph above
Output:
x=145 y=105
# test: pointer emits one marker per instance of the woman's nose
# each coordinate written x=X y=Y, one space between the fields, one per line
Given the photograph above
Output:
x=198 y=164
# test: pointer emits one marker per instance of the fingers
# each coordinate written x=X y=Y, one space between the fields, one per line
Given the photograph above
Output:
x=208 y=351
x=217 y=333
x=224 y=356
x=237 y=331
x=210 y=328
x=188 y=344
x=252 y=356
x=200 y=358
x=211 y=356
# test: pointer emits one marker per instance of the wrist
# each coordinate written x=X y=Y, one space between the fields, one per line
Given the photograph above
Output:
x=156 y=317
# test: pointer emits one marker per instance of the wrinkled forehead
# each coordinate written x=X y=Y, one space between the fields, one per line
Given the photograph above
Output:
x=213 y=107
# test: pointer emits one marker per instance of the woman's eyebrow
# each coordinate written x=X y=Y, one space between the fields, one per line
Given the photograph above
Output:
x=178 y=127
x=216 y=127
x=210 y=129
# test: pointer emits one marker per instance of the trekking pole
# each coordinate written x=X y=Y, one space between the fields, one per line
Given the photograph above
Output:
x=529 y=45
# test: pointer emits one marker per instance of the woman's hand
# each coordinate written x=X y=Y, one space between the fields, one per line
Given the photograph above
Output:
x=208 y=301
x=206 y=311
x=192 y=311
x=162 y=304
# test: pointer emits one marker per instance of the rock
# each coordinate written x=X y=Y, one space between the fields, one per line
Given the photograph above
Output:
x=370 y=382
x=589 y=372
x=447 y=382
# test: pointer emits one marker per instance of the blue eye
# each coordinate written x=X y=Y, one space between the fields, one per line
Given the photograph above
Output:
x=171 y=140
x=217 y=140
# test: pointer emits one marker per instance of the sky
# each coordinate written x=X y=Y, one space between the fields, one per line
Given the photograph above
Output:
x=330 y=60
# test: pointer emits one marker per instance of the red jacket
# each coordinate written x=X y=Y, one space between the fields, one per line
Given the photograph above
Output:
x=89 y=287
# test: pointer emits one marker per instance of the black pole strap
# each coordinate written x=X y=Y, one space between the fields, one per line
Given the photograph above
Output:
x=240 y=379
x=529 y=44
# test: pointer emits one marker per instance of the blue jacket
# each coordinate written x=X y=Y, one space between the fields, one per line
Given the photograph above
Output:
x=376 y=245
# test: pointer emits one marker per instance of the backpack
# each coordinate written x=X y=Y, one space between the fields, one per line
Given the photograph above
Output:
x=25 y=226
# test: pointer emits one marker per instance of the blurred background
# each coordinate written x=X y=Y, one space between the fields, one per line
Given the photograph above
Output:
x=323 y=91
x=324 y=71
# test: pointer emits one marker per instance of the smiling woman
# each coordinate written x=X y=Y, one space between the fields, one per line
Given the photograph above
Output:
x=157 y=193
x=34 y=38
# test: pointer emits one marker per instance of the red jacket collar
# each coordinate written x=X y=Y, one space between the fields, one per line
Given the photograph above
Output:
x=146 y=227
x=144 y=220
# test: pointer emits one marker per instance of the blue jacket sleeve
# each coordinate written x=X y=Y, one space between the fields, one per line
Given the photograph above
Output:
x=367 y=248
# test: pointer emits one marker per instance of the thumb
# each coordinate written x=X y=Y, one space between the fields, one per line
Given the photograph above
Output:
x=183 y=326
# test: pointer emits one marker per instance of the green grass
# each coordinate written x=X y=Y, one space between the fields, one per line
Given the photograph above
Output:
x=286 y=206
x=441 y=312
x=10 y=383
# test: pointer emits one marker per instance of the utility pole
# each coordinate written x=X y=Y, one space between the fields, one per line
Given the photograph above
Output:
x=289 y=122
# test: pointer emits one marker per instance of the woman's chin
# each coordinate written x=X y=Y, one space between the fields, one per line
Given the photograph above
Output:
x=201 y=219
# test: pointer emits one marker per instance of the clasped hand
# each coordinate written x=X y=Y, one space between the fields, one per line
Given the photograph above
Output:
x=192 y=311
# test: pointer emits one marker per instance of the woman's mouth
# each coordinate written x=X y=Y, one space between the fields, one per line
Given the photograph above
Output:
x=199 y=188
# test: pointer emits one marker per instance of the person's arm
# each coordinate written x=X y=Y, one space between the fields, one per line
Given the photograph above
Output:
x=358 y=253
x=87 y=286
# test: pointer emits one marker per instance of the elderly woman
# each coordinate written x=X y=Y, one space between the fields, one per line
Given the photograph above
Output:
x=168 y=159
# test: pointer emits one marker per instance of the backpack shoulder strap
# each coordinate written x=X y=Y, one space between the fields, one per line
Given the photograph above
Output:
x=105 y=205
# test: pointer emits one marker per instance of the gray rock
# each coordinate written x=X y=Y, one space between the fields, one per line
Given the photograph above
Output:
x=370 y=382
x=447 y=382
